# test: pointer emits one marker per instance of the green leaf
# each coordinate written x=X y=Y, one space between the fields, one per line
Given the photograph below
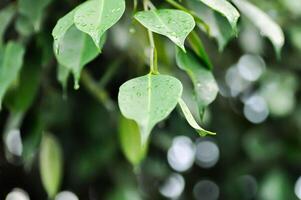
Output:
x=62 y=76
x=33 y=10
x=263 y=22
x=145 y=100
x=60 y=29
x=198 y=47
x=10 y=66
x=130 y=140
x=226 y=9
x=174 y=24
x=220 y=29
x=75 y=51
x=6 y=16
x=191 y=121
x=205 y=86
x=21 y=98
x=94 y=17
x=51 y=163
x=24 y=26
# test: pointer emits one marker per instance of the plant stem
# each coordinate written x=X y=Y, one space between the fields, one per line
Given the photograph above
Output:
x=153 y=53
x=98 y=92
x=195 y=16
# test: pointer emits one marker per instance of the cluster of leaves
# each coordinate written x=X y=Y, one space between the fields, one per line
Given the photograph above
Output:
x=79 y=37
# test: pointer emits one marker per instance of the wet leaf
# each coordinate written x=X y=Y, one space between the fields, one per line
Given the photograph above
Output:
x=144 y=100
x=75 y=51
x=94 y=17
x=174 y=24
x=225 y=8
x=191 y=121
x=205 y=86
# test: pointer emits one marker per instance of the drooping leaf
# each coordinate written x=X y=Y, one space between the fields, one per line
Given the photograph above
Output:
x=191 y=120
x=62 y=76
x=94 y=17
x=75 y=51
x=225 y=8
x=130 y=140
x=33 y=10
x=174 y=24
x=205 y=86
x=198 y=47
x=6 y=15
x=20 y=98
x=60 y=29
x=263 y=22
x=10 y=66
x=145 y=100
x=219 y=28
x=51 y=163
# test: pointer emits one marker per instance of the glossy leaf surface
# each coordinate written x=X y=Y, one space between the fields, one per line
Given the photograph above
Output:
x=148 y=100
x=174 y=24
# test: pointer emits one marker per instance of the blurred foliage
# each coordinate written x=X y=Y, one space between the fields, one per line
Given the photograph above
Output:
x=256 y=114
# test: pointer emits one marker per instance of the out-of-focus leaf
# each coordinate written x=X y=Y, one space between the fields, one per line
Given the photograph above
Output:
x=96 y=16
x=276 y=186
x=198 y=47
x=278 y=89
x=24 y=26
x=225 y=8
x=34 y=10
x=6 y=15
x=174 y=24
x=124 y=192
x=10 y=66
x=130 y=140
x=51 y=163
x=21 y=97
x=263 y=22
x=31 y=142
x=205 y=86
x=145 y=100
x=191 y=120
x=76 y=50
x=220 y=29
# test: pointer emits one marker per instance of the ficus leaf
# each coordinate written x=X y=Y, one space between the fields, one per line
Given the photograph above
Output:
x=198 y=47
x=75 y=51
x=130 y=139
x=145 y=100
x=226 y=9
x=205 y=86
x=60 y=29
x=191 y=120
x=62 y=76
x=6 y=15
x=263 y=22
x=94 y=17
x=51 y=163
x=10 y=66
x=220 y=29
x=19 y=99
x=33 y=10
x=174 y=24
